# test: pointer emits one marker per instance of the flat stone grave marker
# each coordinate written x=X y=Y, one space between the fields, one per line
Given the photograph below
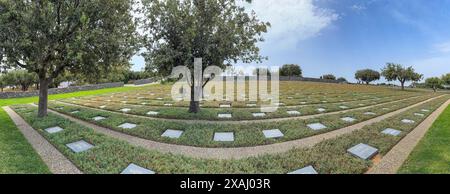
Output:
x=125 y=110
x=159 y=98
x=224 y=136
x=79 y=146
x=261 y=114
x=172 y=133
x=123 y=102
x=251 y=105
x=306 y=170
x=135 y=169
x=98 y=118
x=57 y=108
x=348 y=119
x=370 y=113
x=390 y=131
x=144 y=103
x=302 y=102
x=224 y=115
x=361 y=104
x=385 y=108
x=279 y=104
x=102 y=107
x=53 y=130
x=408 y=121
x=127 y=126
x=75 y=112
x=419 y=114
x=140 y=97
x=293 y=112
x=363 y=151
x=290 y=97
x=152 y=113
x=321 y=109
x=168 y=104
x=273 y=133
x=425 y=110
x=324 y=101
x=343 y=107
x=316 y=126
x=225 y=106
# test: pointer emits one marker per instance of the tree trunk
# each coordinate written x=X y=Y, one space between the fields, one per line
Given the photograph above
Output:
x=403 y=85
x=43 y=97
x=194 y=106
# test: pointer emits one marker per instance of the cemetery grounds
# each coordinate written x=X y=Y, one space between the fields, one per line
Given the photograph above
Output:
x=319 y=128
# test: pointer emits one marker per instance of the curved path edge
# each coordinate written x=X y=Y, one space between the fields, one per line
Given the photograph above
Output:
x=235 y=153
x=239 y=121
x=55 y=160
x=394 y=159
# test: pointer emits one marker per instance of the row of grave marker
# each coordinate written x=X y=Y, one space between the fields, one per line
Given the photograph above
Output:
x=362 y=151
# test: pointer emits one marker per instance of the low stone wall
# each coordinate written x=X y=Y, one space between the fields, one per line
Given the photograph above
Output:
x=307 y=79
x=5 y=95
x=144 y=81
x=286 y=78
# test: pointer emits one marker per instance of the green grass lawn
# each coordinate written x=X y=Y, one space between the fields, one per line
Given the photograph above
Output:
x=432 y=155
x=16 y=154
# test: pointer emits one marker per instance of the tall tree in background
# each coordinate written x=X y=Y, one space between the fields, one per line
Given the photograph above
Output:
x=328 y=77
x=434 y=83
x=221 y=32
x=291 y=70
x=446 y=79
x=396 y=72
x=367 y=75
x=49 y=37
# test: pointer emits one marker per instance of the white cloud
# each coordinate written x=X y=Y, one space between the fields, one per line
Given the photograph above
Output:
x=292 y=20
x=358 y=8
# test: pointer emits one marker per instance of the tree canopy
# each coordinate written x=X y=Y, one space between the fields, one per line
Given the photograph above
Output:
x=221 y=32
x=291 y=70
x=328 y=77
x=367 y=75
x=446 y=79
x=396 y=72
x=49 y=37
x=434 y=83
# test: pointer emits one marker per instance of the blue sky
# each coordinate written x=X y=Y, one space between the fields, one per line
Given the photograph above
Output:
x=342 y=36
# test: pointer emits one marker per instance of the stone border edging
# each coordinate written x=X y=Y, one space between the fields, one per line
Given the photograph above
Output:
x=55 y=160
x=240 y=152
x=394 y=159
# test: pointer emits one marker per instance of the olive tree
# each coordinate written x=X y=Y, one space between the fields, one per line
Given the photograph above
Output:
x=397 y=72
x=367 y=75
x=291 y=70
x=49 y=37
x=221 y=32
x=434 y=83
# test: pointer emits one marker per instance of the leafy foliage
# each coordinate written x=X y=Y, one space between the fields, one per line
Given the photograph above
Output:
x=397 y=72
x=49 y=37
x=367 y=75
x=328 y=77
x=434 y=83
x=291 y=70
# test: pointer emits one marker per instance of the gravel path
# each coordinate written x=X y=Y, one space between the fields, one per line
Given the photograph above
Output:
x=55 y=160
x=236 y=153
x=241 y=121
x=394 y=159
